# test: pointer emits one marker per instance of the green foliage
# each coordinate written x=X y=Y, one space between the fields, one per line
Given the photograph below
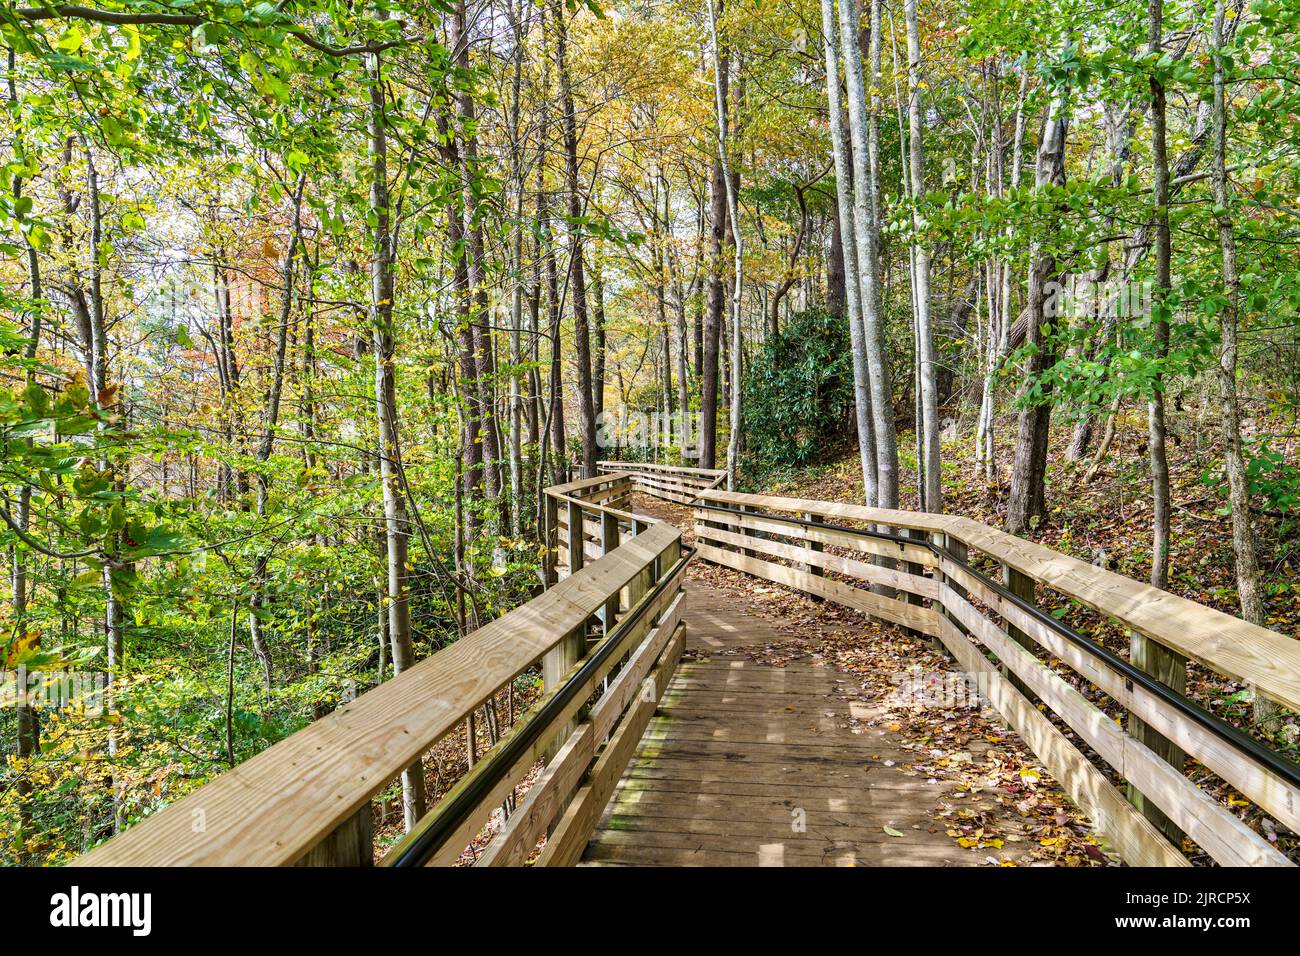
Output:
x=1274 y=481
x=799 y=390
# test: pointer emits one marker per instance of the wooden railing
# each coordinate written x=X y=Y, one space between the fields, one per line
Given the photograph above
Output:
x=922 y=571
x=607 y=639
x=671 y=482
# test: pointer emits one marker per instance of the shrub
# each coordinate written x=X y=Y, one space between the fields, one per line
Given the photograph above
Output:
x=799 y=390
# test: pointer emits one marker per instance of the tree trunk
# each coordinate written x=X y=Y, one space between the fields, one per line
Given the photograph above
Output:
x=396 y=520
x=713 y=316
x=847 y=229
x=733 y=215
x=873 y=313
x=1027 y=498
x=836 y=288
x=1249 y=593
x=925 y=356
x=1160 y=308
x=26 y=717
x=577 y=276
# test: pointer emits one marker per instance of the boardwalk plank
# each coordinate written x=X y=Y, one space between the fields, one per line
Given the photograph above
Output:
x=742 y=754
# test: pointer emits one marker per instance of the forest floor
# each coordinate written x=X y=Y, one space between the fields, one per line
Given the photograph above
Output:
x=1108 y=522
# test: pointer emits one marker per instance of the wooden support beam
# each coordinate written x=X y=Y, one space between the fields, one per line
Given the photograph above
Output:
x=814 y=568
x=1170 y=668
x=350 y=844
x=609 y=539
x=576 y=527
x=1022 y=586
x=550 y=541
x=943 y=540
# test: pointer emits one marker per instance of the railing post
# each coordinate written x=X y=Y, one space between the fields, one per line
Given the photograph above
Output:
x=815 y=546
x=913 y=568
x=959 y=551
x=608 y=543
x=670 y=556
x=557 y=662
x=741 y=511
x=350 y=844
x=1022 y=586
x=550 y=541
x=1170 y=668
x=577 y=536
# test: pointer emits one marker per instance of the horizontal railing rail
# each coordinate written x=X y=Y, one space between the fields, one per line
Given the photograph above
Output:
x=677 y=483
x=608 y=628
x=928 y=559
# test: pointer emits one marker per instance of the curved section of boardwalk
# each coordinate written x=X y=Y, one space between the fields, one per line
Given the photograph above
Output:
x=751 y=764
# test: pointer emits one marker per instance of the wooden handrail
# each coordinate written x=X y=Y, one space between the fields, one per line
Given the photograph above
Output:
x=635 y=466
x=754 y=533
x=1235 y=648
x=676 y=483
x=276 y=807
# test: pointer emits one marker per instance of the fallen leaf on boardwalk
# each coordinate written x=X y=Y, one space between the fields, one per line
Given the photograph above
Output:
x=892 y=832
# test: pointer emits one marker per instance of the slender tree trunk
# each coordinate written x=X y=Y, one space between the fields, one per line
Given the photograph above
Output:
x=481 y=390
x=26 y=717
x=848 y=208
x=733 y=214
x=836 y=281
x=598 y=336
x=516 y=379
x=1160 y=309
x=94 y=325
x=1249 y=592
x=1003 y=280
x=1027 y=499
x=713 y=316
x=396 y=520
x=925 y=356
x=257 y=602
x=697 y=327
x=577 y=275
x=873 y=312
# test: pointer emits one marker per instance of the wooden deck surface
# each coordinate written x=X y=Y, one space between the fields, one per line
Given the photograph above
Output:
x=752 y=764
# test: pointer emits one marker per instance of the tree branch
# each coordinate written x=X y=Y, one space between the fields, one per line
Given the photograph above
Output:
x=90 y=14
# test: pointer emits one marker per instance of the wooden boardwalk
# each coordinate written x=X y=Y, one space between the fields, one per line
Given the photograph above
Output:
x=779 y=738
x=751 y=764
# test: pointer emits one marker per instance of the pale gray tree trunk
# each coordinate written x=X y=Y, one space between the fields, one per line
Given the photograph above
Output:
x=515 y=403
x=396 y=519
x=848 y=242
x=925 y=355
x=864 y=135
x=733 y=209
x=873 y=312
